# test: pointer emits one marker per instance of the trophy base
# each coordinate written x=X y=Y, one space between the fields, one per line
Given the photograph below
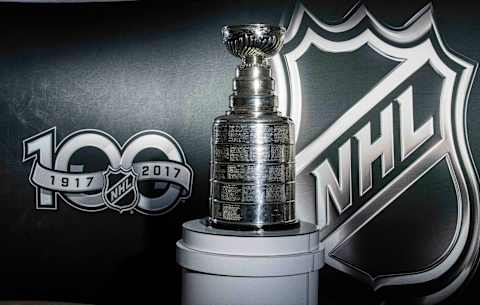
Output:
x=220 y=224
x=222 y=266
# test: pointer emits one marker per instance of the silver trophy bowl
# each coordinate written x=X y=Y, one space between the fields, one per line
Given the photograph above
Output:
x=253 y=40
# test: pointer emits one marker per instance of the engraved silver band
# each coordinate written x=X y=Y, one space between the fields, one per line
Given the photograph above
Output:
x=253 y=193
x=252 y=134
x=253 y=153
x=253 y=213
x=254 y=172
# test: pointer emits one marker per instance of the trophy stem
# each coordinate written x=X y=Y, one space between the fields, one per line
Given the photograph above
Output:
x=253 y=88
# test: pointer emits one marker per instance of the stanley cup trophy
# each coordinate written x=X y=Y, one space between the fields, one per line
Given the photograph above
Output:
x=252 y=167
x=251 y=249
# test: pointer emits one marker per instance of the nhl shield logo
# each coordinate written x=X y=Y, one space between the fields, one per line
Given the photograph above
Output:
x=383 y=162
x=120 y=190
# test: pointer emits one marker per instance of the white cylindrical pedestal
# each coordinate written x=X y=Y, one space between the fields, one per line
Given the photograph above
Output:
x=226 y=267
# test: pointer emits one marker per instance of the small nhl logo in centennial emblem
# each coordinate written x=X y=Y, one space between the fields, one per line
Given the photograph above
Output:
x=120 y=190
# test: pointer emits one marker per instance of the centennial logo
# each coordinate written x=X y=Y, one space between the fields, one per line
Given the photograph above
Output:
x=383 y=153
x=91 y=171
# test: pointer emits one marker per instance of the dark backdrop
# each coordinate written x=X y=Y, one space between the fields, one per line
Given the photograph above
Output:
x=127 y=67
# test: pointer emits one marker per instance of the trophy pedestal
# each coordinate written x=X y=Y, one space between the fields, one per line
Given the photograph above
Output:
x=222 y=267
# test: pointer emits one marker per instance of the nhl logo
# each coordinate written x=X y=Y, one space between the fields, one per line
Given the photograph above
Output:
x=383 y=165
x=120 y=190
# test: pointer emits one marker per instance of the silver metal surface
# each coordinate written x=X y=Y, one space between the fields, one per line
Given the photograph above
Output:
x=252 y=177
